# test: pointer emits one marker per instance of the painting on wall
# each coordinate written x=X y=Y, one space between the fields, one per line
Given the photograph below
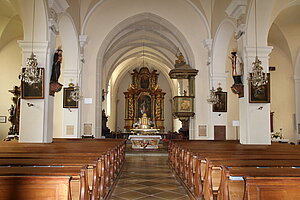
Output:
x=68 y=102
x=221 y=105
x=144 y=106
x=35 y=90
x=259 y=94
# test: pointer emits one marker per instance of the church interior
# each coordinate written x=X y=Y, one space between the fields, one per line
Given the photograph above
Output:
x=179 y=79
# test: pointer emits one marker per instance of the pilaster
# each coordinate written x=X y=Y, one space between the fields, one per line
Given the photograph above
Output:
x=33 y=119
x=254 y=117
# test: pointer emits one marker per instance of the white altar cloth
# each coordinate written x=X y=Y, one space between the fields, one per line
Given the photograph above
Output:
x=144 y=141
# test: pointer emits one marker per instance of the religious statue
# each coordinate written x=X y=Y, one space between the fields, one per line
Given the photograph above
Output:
x=180 y=59
x=237 y=73
x=237 y=68
x=55 y=86
x=14 y=111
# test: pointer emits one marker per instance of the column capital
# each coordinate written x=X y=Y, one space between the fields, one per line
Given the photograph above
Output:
x=38 y=47
x=261 y=51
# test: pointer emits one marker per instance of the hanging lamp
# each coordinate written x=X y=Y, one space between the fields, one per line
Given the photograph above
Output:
x=257 y=77
x=31 y=74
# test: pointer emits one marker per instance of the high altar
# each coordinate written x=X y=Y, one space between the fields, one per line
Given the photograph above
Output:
x=144 y=101
x=144 y=114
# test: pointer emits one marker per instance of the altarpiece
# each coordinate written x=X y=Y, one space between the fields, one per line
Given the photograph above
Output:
x=144 y=99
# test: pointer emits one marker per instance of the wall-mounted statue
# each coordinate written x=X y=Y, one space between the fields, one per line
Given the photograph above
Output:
x=55 y=86
x=14 y=111
x=237 y=74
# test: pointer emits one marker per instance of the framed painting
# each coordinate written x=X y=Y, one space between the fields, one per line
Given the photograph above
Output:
x=34 y=91
x=221 y=106
x=259 y=94
x=144 y=106
x=68 y=102
x=183 y=103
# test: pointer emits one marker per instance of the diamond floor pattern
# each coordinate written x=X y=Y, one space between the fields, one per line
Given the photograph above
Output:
x=147 y=177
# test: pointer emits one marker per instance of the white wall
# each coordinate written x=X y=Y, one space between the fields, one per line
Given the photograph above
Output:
x=282 y=93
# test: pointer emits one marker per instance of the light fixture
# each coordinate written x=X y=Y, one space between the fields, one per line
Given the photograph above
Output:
x=257 y=77
x=31 y=73
x=75 y=94
x=212 y=99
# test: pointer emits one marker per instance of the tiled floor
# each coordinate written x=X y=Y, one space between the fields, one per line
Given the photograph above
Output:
x=146 y=176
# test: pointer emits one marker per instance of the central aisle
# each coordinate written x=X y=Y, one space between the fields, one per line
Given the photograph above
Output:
x=147 y=176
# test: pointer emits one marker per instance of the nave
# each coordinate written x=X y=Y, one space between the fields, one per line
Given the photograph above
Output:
x=89 y=169
x=147 y=176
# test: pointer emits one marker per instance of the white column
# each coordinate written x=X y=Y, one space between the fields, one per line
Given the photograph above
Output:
x=254 y=117
x=36 y=121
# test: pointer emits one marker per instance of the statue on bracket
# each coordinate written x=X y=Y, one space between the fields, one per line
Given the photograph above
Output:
x=55 y=86
x=237 y=74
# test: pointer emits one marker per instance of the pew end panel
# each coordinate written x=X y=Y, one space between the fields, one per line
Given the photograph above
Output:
x=275 y=188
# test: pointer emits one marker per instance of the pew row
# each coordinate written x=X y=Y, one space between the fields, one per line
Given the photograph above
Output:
x=188 y=160
x=251 y=183
x=104 y=159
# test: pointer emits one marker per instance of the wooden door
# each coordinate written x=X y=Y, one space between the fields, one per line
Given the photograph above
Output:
x=220 y=132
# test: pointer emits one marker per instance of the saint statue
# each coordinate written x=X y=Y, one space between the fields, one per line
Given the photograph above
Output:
x=55 y=86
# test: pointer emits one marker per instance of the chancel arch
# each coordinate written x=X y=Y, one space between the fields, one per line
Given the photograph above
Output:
x=143 y=37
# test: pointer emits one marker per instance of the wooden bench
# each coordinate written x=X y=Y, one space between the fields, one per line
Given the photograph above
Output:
x=35 y=183
x=103 y=157
x=213 y=172
x=188 y=158
x=259 y=183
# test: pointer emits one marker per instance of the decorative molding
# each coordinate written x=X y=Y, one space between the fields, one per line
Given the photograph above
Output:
x=208 y=43
x=82 y=40
x=38 y=47
x=261 y=51
x=237 y=8
x=58 y=6
x=55 y=7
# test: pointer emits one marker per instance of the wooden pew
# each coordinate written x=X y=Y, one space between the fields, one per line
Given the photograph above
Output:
x=186 y=158
x=213 y=173
x=251 y=183
x=35 y=183
x=109 y=154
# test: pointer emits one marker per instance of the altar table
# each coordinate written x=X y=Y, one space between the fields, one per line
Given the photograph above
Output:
x=144 y=141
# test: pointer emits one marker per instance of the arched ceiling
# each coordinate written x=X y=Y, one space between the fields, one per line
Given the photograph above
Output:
x=144 y=38
x=10 y=23
x=284 y=32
